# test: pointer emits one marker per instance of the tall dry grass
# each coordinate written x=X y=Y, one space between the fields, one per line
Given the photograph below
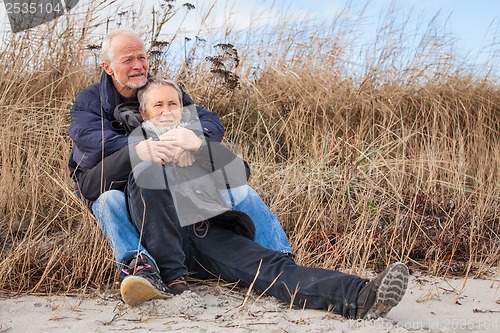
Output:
x=365 y=161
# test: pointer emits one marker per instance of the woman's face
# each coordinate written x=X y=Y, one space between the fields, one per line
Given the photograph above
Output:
x=162 y=106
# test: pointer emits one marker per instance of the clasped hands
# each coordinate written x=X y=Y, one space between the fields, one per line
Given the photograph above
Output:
x=175 y=146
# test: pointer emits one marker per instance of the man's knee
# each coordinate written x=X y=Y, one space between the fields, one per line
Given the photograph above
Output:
x=111 y=200
x=236 y=195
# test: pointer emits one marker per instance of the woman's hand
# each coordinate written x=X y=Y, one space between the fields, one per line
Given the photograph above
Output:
x=182 y=138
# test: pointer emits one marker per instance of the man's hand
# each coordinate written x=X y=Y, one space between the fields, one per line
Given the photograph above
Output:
x=184 y=159
x=182 y=138
x=164 y=151
x=157 y=151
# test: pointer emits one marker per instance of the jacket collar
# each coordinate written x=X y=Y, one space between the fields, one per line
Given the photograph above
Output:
x=110 y=97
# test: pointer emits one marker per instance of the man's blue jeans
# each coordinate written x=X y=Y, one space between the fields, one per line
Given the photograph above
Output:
x=268 y=230
x=110 y=209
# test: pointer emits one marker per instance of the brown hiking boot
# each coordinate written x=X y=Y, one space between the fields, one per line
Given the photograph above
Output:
x=178 y=286
x=383 y=293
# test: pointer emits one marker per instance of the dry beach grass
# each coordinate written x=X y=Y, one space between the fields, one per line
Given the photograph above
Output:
x=392 y=158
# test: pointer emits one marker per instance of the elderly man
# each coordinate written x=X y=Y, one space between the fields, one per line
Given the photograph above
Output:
x=100 y=163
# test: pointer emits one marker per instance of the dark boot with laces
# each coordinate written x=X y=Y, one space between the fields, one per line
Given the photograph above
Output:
x=383 y=293
x=142 y=281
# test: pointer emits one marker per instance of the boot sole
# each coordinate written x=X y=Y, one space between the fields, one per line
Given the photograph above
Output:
x=136 y=290
x=391 y=291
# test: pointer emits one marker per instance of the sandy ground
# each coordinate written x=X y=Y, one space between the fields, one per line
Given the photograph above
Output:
x=430 y=305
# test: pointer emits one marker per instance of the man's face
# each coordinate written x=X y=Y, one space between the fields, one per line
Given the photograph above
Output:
x=129 y=66
x=162 y=106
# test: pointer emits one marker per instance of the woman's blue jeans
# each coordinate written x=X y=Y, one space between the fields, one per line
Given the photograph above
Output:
x=110 y=209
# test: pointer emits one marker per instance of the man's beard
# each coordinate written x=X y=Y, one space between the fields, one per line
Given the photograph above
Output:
x=133 y=86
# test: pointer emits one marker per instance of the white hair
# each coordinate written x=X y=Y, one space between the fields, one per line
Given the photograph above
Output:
x=154 y=82
x=107 y=53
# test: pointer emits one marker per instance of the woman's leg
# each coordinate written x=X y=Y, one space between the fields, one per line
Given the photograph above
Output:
x=235 y=258
x=153 y=213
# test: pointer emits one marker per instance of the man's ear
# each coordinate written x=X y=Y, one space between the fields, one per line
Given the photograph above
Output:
x=107 y=68
x=141 y=112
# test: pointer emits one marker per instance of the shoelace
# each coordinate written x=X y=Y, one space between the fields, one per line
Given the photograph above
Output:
x=139 y=265
x=177 y=281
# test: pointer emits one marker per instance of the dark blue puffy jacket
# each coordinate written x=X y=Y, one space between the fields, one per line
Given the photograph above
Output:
x=97 y=134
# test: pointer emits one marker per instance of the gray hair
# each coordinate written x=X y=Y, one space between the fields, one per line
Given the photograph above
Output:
x=154 y=82
x=107 y=53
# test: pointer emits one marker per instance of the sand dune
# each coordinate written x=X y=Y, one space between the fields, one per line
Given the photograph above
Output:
x=430 y=305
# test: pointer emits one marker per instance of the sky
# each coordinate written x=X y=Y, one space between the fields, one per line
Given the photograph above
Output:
x=473 y=24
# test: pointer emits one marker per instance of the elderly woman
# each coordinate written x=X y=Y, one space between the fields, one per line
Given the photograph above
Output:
x=194 y=185
x=185 y=226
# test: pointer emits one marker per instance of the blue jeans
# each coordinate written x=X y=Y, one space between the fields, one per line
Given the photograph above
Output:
x=268 y=230
x=110 y=209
